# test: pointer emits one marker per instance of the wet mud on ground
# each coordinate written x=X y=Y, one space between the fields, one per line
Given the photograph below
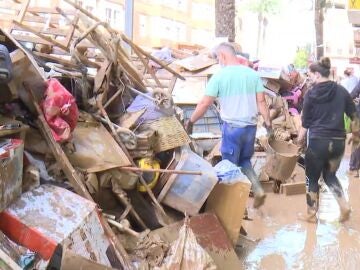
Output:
x=278 y=240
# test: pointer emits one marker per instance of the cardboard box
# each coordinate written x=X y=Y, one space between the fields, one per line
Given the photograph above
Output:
x=11 y=159
x=272 y=85
x=228 y=202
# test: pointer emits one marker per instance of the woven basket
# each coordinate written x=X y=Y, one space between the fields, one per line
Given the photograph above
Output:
x=171 y=134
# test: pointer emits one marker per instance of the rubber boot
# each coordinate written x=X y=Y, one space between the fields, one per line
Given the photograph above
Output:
x=259 y=194
x=344 y=209
x=312 y=201
x=259 y=200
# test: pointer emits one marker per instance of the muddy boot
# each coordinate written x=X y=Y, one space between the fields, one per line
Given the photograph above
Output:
x=344 y=209
x=312 y=200
x=259 y=200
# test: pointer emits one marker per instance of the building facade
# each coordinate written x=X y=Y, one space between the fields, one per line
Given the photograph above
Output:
x=339 y=39
x=156 y=22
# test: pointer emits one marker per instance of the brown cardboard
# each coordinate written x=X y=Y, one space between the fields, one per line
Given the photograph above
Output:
x=293 y=188
x=228 y=202
x=272 y=85
x=72 y=261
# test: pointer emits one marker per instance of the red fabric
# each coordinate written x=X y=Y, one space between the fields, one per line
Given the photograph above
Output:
x=60 y=110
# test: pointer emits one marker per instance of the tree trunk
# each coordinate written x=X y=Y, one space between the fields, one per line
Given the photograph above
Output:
x=260 y=19
x=264 y=27
x=225 y=19
x=319 y=29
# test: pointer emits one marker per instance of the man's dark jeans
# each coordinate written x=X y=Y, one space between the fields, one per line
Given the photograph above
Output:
x=238 y=147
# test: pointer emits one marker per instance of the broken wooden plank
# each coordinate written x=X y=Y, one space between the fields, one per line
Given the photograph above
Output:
x=70 y=35
x=55 y=59
x=293 y=188
x=126 y=39
x=32 y=39
x=44 y=37
x=23 y=10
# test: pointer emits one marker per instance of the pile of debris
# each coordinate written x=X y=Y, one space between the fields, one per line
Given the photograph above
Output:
x=97 y=169
x=94 y=157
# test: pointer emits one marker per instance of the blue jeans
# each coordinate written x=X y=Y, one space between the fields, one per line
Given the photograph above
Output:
x=238 y=147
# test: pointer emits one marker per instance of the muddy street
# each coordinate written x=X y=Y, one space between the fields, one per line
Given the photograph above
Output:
x=278 y=240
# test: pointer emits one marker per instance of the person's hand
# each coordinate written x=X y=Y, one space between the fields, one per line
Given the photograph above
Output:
x=269 y=130
x=300 y=142
x=189 y=126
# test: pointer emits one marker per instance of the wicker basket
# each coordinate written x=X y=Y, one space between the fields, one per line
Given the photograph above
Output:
x=171 y=134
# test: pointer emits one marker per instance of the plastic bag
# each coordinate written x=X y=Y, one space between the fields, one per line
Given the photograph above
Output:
x=60 y=110
x=228 y=172
x=186 y=254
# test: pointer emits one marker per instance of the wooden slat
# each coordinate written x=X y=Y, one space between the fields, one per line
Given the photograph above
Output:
x=56 y=59
x=49 y=10
x=71 y=32
x=27 y=18
x=46 y=38
x=23 y=10
x=39 y=19
x=293 y=188
x=47 y=31
x=31 y=39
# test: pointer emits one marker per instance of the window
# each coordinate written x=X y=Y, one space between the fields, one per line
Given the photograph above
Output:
x=201 y=37
x=351 y=49
x=108 y=13
x=177 y=4
x=143 y=26
x=202 y=11
x=119 y=19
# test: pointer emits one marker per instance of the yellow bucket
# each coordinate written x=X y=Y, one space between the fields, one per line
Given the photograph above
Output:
x=150 y=178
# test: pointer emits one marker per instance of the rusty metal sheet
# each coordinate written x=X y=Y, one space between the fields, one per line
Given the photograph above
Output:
x=95 y=149
x=210 y=235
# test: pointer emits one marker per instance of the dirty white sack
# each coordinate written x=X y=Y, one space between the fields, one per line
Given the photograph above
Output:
x=186 y=254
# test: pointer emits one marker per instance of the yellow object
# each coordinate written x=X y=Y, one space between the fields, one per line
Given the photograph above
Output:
x=354 y=4
x=151 y=178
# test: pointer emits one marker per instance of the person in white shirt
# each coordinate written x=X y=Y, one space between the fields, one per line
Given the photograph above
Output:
x=350 y=81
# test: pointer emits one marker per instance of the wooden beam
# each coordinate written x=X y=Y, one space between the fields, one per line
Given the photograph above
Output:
x=293 y=188
x=31 y=39
x=23 y=10
x=56 y=59
x=50 y=10
x=70 y=35
x=46 y=38
x=47 y=31
x=126 y=39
